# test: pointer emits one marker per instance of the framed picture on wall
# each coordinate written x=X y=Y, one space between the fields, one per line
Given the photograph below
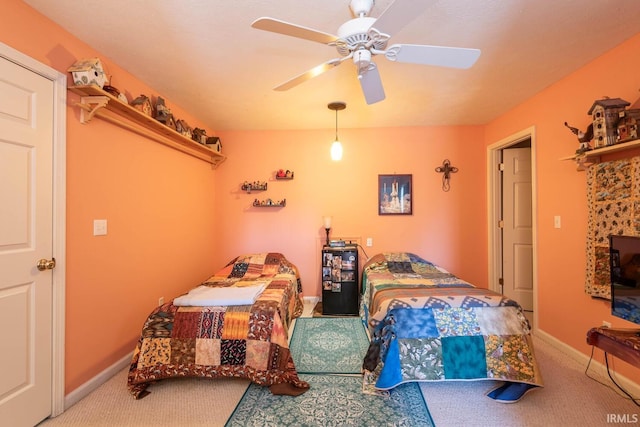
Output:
x=395 y=195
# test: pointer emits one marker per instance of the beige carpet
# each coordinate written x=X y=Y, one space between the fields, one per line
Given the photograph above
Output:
x=569 y=398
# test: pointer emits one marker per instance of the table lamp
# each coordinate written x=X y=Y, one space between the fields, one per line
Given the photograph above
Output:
x=327 y=226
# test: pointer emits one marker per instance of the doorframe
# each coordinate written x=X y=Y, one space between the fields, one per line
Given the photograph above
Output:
x=59 y=81
x=494 y=200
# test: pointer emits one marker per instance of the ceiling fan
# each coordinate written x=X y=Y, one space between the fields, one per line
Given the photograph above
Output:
x=362 y=38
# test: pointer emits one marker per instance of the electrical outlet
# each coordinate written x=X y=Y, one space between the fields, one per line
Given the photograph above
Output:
x=369 y=241
x=160 y=300
x=606 y=324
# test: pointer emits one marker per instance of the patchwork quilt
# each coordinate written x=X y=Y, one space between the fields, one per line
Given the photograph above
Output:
x=246 y=341
x=428 y=325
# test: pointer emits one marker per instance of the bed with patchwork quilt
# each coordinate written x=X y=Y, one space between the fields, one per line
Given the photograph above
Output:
x=426 y=324
x=235 y=324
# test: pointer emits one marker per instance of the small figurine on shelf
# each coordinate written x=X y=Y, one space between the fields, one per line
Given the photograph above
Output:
x=584 y=138
x=269 y=203
x=214 y=143
x=143 y=104
x=88 y=72
x=162 y=111
x=255 y=185
x=282 y=174
x=199 y=136
x=183 y=128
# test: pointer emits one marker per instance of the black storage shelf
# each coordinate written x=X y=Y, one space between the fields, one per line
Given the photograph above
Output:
x=340 y=286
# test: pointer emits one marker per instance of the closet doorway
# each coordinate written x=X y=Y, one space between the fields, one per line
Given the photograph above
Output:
x=512 y=220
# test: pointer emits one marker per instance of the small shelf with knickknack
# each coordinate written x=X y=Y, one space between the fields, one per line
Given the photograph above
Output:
x=613 y=128
x=254 y=186
x=284 y=174
x=96 y=102
x=587 y=158
x=269 y=203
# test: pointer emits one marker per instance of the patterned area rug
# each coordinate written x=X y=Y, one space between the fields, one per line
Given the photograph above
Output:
x=330 y=345
x=332 y=400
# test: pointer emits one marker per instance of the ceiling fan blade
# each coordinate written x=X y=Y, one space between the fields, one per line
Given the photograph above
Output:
x=398 y=14
x=293 y=30
x=454 y=57
x=371 y=85
x=315 y=71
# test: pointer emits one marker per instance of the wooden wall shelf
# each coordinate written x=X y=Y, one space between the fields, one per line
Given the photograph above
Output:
x=254 y=186
x=268 y=203
x=584 y=160
x=97 y=102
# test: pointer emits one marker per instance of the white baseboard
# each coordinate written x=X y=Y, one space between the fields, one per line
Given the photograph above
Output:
x=596 y=369
x=310 y=300
x=85 y=389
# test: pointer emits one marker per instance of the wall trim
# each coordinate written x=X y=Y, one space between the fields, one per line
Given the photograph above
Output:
x=596 y=369
x=87 y=388
x=493 y=200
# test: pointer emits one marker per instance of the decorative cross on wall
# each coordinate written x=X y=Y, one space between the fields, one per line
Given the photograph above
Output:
x=446 y=169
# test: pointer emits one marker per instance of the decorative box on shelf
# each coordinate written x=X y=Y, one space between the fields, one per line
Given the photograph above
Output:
x=284 y=174
x=269 y=203
x=254 y=186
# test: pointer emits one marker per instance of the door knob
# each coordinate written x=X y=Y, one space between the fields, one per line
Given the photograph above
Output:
x=46 y=264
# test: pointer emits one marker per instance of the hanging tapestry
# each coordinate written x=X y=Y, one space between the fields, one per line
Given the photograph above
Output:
x=613 y=198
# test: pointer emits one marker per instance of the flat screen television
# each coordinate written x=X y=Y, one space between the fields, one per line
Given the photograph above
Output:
x=624 y=263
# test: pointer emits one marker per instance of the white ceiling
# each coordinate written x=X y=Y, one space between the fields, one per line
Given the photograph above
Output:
x=204 y=56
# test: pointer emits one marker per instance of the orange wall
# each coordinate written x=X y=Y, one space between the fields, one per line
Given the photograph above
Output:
x=448 y=228
x=173 y=220
x=158 y=203
x=564 y=310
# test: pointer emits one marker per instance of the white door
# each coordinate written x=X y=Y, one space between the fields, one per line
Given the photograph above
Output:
x=26 y=224
x=518 y=228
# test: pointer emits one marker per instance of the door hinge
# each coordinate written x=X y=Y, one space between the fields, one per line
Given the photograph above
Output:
x=501 y=224
x=501 y=167
x=501 y=281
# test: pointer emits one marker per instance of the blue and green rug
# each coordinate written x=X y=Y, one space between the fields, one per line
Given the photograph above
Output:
x=329 y=345
x=332 y=400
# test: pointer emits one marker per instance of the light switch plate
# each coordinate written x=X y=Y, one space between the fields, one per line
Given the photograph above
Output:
x=99 y=227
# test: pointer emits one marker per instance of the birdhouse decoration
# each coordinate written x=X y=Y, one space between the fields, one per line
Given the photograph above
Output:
x=143 y=103
x=163 y=114
x=88 y=72
x=199 y=136
x=628 y=122
x=605 y=114
x=214 y=143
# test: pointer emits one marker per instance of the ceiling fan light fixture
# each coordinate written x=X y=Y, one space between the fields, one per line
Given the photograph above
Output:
x=336 y=147
x=363 y=37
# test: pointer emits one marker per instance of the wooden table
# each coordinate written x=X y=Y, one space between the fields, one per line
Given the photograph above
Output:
x=621 y=343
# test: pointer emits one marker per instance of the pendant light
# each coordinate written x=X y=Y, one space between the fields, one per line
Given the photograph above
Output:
x=336 y=147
